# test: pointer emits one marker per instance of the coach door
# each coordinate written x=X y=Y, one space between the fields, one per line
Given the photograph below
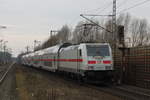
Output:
x=54 y=63
x=79 y=54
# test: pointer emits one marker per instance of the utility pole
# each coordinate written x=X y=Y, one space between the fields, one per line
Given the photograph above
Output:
x=53 y=32
x=115 y=40
x=114 y=24
x=27 y=48
x=35 y=42
x=5 y=58
x=1 y=45
x=1 y=41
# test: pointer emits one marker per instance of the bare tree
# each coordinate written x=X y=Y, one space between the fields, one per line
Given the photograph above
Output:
x=134 y=32
x=143 y=32
x=139 y=32
x=108 y=37
x=64 y=34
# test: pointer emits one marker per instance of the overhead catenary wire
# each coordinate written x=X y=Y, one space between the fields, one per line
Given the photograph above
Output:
x=109 y=5
x=125 y=1
x=122 y=3
x=100 y=8
x=96 y=24
x=96 y=9
x=105 y=8
x=96 y=15
x=136 y=5
x=110 y=12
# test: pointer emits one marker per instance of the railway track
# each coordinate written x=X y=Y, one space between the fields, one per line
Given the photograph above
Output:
x=143 y=94
x=124 y=92
x=4 y=72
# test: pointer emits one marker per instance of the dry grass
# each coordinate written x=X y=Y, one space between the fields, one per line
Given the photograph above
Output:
x=34 y=85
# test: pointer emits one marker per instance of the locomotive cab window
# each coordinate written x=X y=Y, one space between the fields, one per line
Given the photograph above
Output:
x=98 y=50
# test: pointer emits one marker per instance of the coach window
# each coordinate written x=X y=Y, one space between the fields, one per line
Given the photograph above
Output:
x=80 y=53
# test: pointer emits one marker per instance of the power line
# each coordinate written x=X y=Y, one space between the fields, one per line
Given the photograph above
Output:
x=101 y=8
x=107 y=5
x=105 y=8
x=97 y=15
x=138 y=4
x=123 y=3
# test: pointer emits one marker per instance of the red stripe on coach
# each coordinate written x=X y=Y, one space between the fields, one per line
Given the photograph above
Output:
x=65 y=60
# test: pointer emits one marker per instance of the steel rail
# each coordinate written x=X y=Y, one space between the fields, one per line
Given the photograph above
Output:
x=125 y=94
x=5 y=74
x=135 y=92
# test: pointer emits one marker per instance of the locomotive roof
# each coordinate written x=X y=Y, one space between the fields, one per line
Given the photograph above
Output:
x=40 y=52
x=72 y=47
x=94 y=44
x=53 y=49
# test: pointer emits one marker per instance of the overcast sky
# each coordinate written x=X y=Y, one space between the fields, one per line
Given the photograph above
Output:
x=29 y=20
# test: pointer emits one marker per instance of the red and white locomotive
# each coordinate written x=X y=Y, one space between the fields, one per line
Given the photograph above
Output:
x=88 y=60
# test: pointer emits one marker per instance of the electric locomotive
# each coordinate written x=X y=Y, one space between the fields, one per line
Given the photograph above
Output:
x=86 y=60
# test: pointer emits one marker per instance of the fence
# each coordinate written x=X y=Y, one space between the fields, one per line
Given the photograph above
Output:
x=134 y=66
